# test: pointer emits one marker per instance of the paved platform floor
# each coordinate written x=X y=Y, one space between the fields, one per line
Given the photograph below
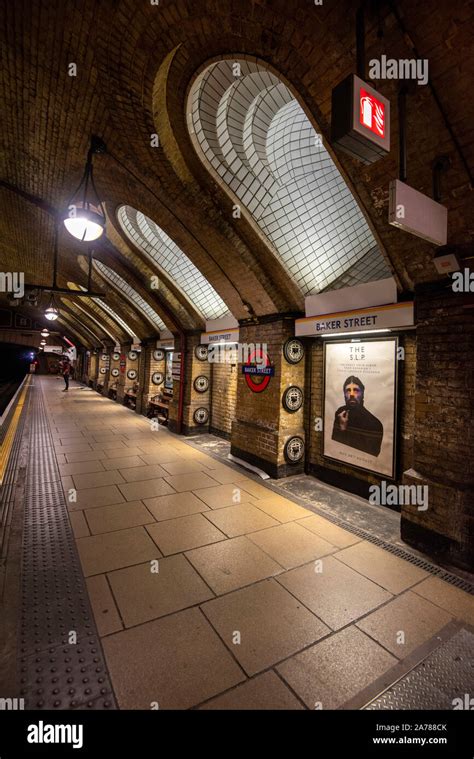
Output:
x=210 y=591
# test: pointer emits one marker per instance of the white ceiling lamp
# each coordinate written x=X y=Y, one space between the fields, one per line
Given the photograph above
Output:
x=52 y=312
x=85 y=220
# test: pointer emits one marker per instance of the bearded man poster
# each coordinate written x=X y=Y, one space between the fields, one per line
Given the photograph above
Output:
x=360 y=404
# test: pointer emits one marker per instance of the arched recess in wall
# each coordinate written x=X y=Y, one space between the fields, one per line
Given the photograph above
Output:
x=100 y=304
x=125 y=279
x=91 y=316
x=169 y=259
x=163 y=291
x=133 y=297
x=258 y=144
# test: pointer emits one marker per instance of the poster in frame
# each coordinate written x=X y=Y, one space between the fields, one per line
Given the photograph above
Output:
x=360 y=404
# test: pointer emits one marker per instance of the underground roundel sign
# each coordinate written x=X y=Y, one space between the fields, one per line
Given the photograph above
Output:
x=258 y=371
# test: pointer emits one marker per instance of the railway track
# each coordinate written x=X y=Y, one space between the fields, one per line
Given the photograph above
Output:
x=8 y=389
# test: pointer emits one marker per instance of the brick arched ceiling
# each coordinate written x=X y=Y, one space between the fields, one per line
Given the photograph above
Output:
x=77 y=330
x=134 y=298
x=105 y=307
x=103 y=312
x=131 y=309
x=256 y=139
x=135 y=65
x=114 y=301
x=181 y=310
x=104 y=330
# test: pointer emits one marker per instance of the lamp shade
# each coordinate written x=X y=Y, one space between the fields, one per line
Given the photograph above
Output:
x=51 y=313
x=85 y=224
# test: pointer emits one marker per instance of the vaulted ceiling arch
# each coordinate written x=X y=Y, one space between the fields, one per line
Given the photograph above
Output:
x=171 y=262
x=162 y=288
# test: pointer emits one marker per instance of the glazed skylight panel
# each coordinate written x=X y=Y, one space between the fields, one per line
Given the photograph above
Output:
x=96 y=321
x=117 y=318
x=132 y=295
x=165 y=252
x=258 y=139
x=170 y=258
x=105 y=307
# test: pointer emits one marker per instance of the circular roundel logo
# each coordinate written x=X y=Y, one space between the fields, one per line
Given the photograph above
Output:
x=294 y=449
x=292 y=399
x=201 y=384
x=116 y=356
x=102 y=370
x=131 y=374
x=200 y=352
x=201 y=416
x=132 y=355
x=157 y=378
x=158 y=355
x=115 y=372
x=258 y=371
x=293 y=350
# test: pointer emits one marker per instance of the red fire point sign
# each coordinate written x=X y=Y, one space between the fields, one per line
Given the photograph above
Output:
x=360 y=120
x=372 y=113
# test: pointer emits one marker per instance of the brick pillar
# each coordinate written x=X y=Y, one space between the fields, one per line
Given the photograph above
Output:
x=93 y=368
x=174 y=405
x=197 y=395
x=263 y=427
x=79 y=372
x=224 y=393
x=442 y=451
x=131 y=375
x=114 y=370
x=152 y=373
x=103 y=376
x=124 y=366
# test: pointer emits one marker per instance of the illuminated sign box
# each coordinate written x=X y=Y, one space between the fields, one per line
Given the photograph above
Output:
x=216 y=337
x=165 y=343
x=360 y=120
x=392 y=316
x=417 y=214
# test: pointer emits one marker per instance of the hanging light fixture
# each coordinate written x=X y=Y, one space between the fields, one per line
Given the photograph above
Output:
x=43 y=342
x=85 y=220
x=52 y=312
x=45 y=333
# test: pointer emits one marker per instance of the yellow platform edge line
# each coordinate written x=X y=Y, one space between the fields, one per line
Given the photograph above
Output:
x=10 y=436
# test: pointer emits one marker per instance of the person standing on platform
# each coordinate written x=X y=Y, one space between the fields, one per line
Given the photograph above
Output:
x=66 y=371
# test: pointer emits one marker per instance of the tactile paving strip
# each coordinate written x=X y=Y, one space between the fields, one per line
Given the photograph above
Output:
x=62 y=665
x=443 y=676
